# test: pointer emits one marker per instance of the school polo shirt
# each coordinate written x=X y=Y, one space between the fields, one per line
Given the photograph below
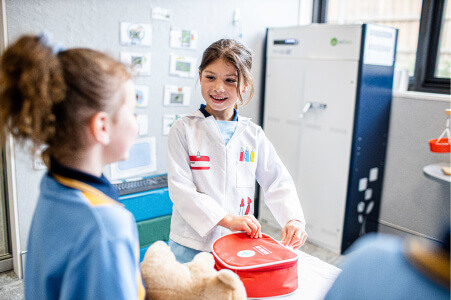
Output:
x=81 y=245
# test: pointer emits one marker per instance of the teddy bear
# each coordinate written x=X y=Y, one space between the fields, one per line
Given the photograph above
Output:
x=165 y=278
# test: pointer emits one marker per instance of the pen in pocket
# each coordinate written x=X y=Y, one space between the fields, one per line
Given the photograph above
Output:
x=241 y=154
x=246 y=155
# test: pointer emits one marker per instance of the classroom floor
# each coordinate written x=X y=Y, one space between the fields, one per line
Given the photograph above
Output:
x=11 y=288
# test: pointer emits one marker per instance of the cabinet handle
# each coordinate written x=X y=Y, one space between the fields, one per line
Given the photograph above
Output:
x=310 y=105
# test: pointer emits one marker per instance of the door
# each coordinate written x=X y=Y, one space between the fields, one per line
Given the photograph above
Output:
x=5 y=245
x=283 y=102
x=325 y=148
x=315 y=148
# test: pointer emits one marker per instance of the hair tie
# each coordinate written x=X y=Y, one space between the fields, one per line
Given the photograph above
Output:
x=45 y=39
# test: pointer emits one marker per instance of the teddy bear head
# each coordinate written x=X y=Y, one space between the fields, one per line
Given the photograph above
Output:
x=165 y=278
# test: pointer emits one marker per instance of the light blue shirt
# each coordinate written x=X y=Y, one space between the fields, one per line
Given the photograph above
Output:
x=77 y=250
x=227 y=129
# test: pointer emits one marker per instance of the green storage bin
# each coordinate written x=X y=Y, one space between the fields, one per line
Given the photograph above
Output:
x=153 y=230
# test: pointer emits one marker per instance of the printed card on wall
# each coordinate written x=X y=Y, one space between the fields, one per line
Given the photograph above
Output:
x=182 y=66
x=142 y=95
x=139 y=34
x=168 y=120
x=163 y=14
x=177 y=95
x=38 y=162
x=139 y=63
x=143 y=124
x=182 y=38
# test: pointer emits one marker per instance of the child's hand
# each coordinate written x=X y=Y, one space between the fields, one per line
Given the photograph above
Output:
x=247 y=223
x=293 y=235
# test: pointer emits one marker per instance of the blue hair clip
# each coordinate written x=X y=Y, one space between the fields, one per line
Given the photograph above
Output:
x=45 y=39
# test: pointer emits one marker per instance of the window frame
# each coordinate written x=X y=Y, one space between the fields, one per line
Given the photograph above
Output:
x=319 y=13
x=424 y=80
x=431 y=20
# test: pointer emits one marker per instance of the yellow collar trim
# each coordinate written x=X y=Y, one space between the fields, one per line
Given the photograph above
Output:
x=432 y=261
x=94 y=196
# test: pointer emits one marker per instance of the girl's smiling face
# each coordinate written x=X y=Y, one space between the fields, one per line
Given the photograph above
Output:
x=219 y=82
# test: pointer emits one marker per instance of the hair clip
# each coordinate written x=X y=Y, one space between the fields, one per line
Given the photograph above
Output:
x=45 y=38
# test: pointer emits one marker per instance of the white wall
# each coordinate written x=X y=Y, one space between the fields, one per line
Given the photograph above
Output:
x=95 y=24
x=411 y=202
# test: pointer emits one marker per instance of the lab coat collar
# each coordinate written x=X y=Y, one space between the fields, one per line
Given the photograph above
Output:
x=203 y=109
x=199 y=114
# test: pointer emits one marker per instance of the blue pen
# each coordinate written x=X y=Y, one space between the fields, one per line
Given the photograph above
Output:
x=246 y=155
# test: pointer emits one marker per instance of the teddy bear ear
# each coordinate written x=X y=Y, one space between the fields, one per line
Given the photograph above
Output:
x=158 y=250
x=229 y=278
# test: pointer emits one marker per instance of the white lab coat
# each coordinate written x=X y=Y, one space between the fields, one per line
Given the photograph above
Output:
x=207 y=180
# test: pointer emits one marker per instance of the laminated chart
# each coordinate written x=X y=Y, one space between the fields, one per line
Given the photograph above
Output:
x=177 y=95
x=182 y=66
x=183 y=38
x=142 y=95
x=139 y=63
x=136 y=34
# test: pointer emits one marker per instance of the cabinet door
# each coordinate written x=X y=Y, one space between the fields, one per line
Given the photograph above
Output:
x=325 y=148
x=283 y=103
x=316 y=148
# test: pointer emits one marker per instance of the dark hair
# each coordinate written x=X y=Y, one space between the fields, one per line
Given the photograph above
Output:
x=235 y=54
x=50 y=98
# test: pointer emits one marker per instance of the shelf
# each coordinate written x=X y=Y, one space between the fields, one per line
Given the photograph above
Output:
x=435 y=172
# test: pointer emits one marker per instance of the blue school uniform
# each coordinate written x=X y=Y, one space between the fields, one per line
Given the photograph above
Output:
x=379 y=269
x=83 y=244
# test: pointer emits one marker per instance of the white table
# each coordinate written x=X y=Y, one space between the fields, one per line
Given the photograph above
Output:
x=434 y=171
x=315 y=278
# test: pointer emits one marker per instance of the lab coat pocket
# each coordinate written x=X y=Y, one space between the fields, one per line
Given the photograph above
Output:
x=245 y=174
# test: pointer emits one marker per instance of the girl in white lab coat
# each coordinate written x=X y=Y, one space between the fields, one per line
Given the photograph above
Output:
x=214 y=158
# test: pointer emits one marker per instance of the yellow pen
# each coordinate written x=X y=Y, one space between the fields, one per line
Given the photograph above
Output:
x=252 y=155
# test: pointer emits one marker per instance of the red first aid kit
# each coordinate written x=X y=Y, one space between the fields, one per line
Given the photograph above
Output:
x=266 y=267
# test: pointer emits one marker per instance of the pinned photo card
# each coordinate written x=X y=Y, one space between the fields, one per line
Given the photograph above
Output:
x=142 y=95
x=141 y=160
x=38 y=161
x=183 y=66
x=181 y=38
x=177 y=95
x=136 y=34
x=139 y=63
x=163 y=14
x=143 y=124
x=168 y=120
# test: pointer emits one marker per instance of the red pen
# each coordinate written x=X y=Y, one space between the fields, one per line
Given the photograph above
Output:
x=241 y=207
x=249 y=201
x=241 y=154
